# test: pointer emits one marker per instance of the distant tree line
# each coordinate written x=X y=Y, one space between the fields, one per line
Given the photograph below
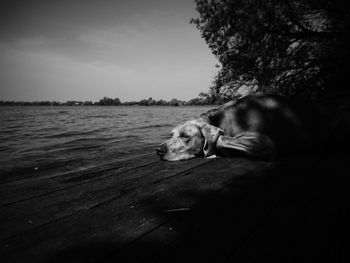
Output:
x=203 y=99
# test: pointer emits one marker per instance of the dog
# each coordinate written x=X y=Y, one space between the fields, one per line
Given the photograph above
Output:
x=256 y=126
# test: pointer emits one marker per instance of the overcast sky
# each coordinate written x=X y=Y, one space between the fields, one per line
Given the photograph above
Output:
x=84 y=50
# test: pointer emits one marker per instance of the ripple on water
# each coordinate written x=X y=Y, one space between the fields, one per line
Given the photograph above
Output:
x=66 y=138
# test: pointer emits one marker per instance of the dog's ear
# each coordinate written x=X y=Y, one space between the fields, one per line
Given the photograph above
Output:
x=214 y=116
x=211 y=135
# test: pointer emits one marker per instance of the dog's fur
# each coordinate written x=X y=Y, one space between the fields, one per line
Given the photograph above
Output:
x=259 y=126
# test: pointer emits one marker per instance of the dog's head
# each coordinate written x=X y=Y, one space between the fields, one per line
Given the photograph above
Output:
x=191 y=139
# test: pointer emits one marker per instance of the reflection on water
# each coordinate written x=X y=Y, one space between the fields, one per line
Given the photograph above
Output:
x=58 y=139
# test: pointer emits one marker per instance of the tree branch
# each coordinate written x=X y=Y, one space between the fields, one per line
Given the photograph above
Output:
x=311 y=34
x=294 y=17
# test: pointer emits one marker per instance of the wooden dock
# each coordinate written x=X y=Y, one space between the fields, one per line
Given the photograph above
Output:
x=142 y=209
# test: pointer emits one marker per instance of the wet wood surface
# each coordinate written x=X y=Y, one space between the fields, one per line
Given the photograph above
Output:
x=143 y=209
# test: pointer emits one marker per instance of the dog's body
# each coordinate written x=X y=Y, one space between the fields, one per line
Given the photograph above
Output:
x=256 y=126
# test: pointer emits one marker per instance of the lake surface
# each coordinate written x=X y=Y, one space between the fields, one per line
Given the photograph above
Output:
x=59 y=139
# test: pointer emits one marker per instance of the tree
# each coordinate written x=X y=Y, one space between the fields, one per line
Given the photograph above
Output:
x=116 y=101
x=151 y=101
x=293 y=47
x=109 y=101
x=174 y=102
x=87 y=103
x=161 y=102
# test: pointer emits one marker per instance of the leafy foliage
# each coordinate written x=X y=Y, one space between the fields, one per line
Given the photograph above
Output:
x=292 y=47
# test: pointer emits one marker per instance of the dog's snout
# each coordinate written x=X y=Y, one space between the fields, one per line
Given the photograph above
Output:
x=161 y=150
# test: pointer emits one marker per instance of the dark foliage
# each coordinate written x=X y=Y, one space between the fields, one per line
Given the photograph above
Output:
x=290 y=47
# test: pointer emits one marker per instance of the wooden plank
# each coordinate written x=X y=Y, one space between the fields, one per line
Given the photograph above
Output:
x=178 y=239
x=124 y=219
x=42 y=174
x=31 y=213
x=294 y=211
x=23 y=189
x=161 y=211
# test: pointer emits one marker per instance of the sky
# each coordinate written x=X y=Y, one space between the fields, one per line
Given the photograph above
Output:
x=85 y=50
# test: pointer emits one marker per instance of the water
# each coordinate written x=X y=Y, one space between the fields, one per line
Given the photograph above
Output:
x=63 y=138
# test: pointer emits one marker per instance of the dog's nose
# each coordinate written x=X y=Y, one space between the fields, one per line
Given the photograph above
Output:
x=161 y=150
